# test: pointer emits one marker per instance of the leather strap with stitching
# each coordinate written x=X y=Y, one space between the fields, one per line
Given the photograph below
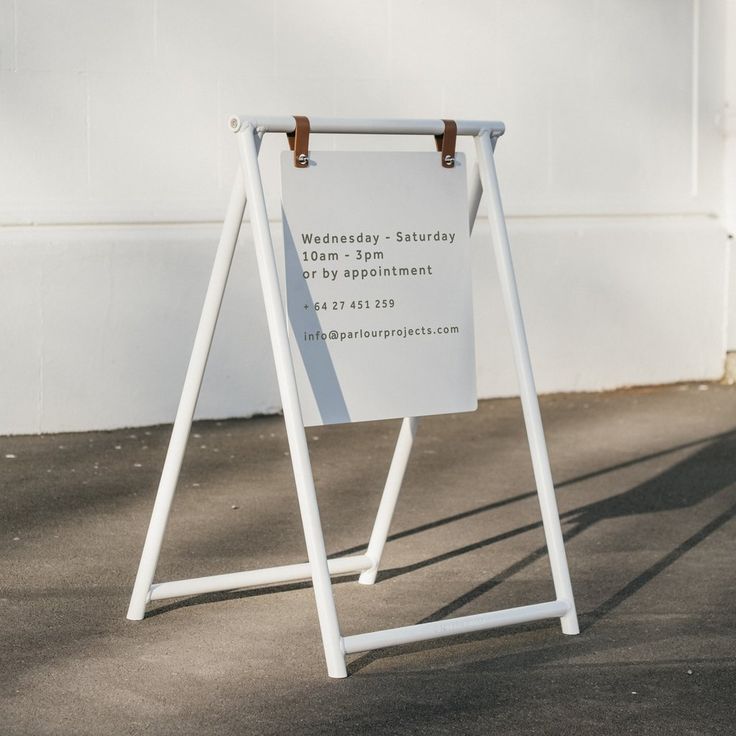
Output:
x=299 y=141
x=445 y=143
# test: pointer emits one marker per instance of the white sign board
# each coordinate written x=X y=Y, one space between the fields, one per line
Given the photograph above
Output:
x=378 y=285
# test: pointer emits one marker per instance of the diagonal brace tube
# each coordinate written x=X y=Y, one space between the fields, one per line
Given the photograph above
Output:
x=407 y=433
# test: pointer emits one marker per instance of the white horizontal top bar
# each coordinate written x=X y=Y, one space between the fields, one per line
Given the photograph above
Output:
x=380 y=126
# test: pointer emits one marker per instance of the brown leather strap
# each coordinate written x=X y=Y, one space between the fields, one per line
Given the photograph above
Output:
x=445 y=143
x=299 y=142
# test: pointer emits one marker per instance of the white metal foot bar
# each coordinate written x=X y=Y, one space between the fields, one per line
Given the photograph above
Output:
x=253 y=578
x=453 y=626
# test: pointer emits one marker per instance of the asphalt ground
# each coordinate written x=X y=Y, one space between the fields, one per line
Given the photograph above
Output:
x=646 y=484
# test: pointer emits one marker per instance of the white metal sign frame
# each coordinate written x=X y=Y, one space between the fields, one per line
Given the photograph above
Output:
x=248 y=187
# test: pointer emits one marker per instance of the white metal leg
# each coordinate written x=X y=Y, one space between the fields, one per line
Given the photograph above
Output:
x=292 y=410
x=527 y=389
x=389 y=498
x=188 y=401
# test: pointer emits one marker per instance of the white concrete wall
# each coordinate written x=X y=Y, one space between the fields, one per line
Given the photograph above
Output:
x=115 y=165
x=729 y=171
